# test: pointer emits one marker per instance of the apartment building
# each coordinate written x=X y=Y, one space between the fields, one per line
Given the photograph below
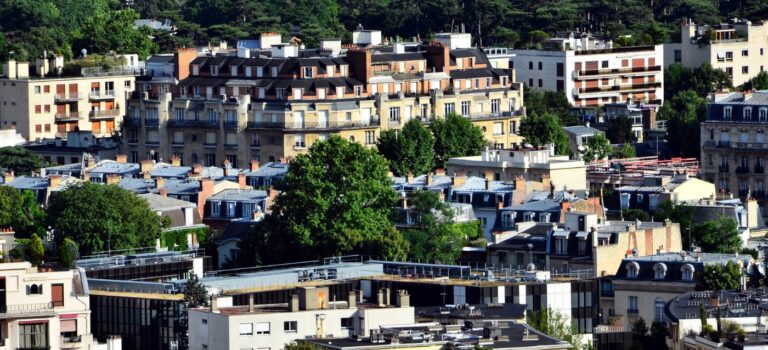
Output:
x=733 y=144
x=45 y=103
x=310 y=313
x=278 y=102
x=42 y=309
x=737 y=47
x=592 y=72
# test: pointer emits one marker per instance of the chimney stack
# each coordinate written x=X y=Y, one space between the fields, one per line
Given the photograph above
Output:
x=121 y=158
x=175 y=160
x=241 y=180
x=146 y=167
x=428 y=179
x=294 y=304
x=458 y=180
x=9 y=176
x=197 y=168
x=403 y=299
x=352 y=299
x=214 y=304
x=54 y=181
x=440 y=172
x=113 y=179
x=163 y=192
x=488 y=179
x=250 y=303
x=409 y=177
x=254 y=165
x=91 y=162
x=159 y=182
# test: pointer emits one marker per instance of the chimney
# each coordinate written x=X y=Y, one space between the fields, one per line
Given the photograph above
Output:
x=714 y=299
x=197 y=168
x=442 y=196
x=380 y=297
x=54 y=181
x=146 y=166
x=254 y=165
x=227 y=164
x=163 y=192
x=488 y=179
x=91 y=162
x=121 y=158
x=113 y=179
x=283 y=160
x=182 y=59
x=440 y=172
x=205 y=191
x=272 y=192
x=352 y=299
x=159 y=182
x=175 y=160
x=250 y=303
x=409 y=177
x=387 y=295
x=520 y=184
x=294 y=304
x=241 y=180
x=9 y=176
x=546 y=183
x=403 y=299
x=458 y=180
x=257 y=215
x=214 y=304
x=405 y=202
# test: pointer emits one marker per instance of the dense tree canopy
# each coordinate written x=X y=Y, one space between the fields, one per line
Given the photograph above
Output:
x=718 y=277
x=20 y=160
x=408 y=150
x=597 y=148
x=20 y=211
x=455 y=136
x=683 y=113
x=620 y=130
x=540 y=130
x=100 y=217
x=718 y=236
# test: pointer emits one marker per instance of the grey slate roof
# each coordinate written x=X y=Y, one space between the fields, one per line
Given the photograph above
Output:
x=581 y=130
x=737 y=98
x=113 y=167
x=29 y=183
x=271 y=169
x=137 y=185
x=167 y=171
x=161 y=203
x=239 y=195
x=184 y=186
x=477 y=184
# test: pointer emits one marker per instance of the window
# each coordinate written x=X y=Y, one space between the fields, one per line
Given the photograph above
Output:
x=37 y=89
x=307 y=72
x=561 y=246
x=57 y=295
x=213 y=116
x=262 y=328
x=358 y=91
x=33 y=336
x=215 y=209
x=35 y=288
x=540 y=83
x=632 y=305
x=347 y=322
x=632 y=269
x=214 y=70
x=744 y=69
x=687 y=270
x=246 y=329
x=658 y=310
x=498 y=128
x=541 y=65
x=449 y=108
x=530 y=65
x=763 y=114
x=465 y=108
x=210 y=159
x=560 y=70
x=290 y=326
x=747 y=113
x=582 y=247
x=745 y=52
x=512 y=127
x=604 y=64
x=640 y=198
x=231 y=208
x=727 y=111
x=298 y=141
x=232 y=158
x=394 y=115
x=370 y=137
x=424 y=111
x=659 y=271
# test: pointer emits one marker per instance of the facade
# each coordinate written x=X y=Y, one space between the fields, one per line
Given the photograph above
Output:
x=236 y=204
x=182 y=214
x=578 y=138
x=310 y=313
x=737 y=47
x=658 y=189
x=733 y=144
x=642 y=116
x=534 y=164
x=614 y=173
x=47 y=106
x=71 y=149
x=592 y=72
x=276 y=105
x=44 y=310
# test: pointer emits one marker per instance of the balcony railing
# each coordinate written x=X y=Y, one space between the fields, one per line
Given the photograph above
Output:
x=102 y=95
x=723 y=168
x=616 y=50
x=493 y=115
x=744 y=169
x=618 y=88
x=132 y=121
x=105 y=114
x=633 y=311
x=71 y=116
x=70 y=97
x=313 y=125
x=230 y=124
x=195 y=124
x=759 y=169
x=608 y=71
x=152 y=123
x=30 y=309
x=256 y=145
x=230 y=145
x=300 y=145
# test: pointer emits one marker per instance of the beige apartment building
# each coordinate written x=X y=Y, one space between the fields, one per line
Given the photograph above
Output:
x=276 y=103
x=737 y=47
x=40 y=104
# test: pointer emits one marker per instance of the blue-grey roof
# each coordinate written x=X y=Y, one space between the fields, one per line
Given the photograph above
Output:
x=113 y=167
x=162 y=203
x=438 y=181
x=271 y=169
x=181 y=186
x=29 y=183
x=582 y=130
x=756 y=98
x=74 y=167
x=137 y=185
x=239 y=195
x=538 y=206
x=477 y=184
x=170 y=171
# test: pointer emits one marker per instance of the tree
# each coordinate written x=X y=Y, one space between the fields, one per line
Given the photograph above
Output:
x=759 y=82
x=195 y=295
x=639 y=335
x=635 y=214
x=540 y=101
x=301 y=346
x=658 y=337
x=706 y=79
x=20 y=160
x=409 y=150
x=718 y=236
x=69 y=253
x=624 y=151
x=681 y=214
x=35 y=251
x=335 y=200
x=683 y=113
x=620 y=130
x=556 y=324
x=434 y=237
x=718 y=277
x=539 y=130
x=455 y=136
x=113 y=31
x=21 y=211
x=676 y=79
x=597 y=148
x=102 y=217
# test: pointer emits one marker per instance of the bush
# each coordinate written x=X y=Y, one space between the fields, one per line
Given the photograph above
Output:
x=69 y=253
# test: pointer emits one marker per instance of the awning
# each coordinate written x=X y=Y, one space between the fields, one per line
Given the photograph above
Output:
x=68 y=326
x=560 y=233
x=721 y=55
x=582 y=234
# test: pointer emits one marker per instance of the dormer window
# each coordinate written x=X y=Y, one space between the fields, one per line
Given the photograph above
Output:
x=233 y=71
x=763 y=114
x=248 y=71
x=307 y=72
x=259 y=72
x=358 y=91
x=274 y=71
x=687 y=271
x=747 y=113
x=196 y=91
x=280 y=94
x=727 y=112
x=297 y=94
x=632 y=269
x=659 y=271
x=215 y=209
x=195 y=69
x=214 y=70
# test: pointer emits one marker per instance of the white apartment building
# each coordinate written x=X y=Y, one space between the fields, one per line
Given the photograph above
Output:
x=45 y=310
x=312 y=313
x=738 y=47
x=592 y=72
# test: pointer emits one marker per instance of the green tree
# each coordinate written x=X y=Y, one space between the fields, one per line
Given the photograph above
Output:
x=539 y=130
x=301 y=345
x=681 y=214
x=718 y=277
x=620 y=130
x=21 y=211
x=335 y=200
x=195 y=295
x=706 y=79
x=676 y=79
x=536 y=37
x=102 y=217
x=718 y=236
x=639 y=335
x=20 y=160
x=540 y=102
x=409 y=150
x=68 y=253
x=759 y=82
x=434 y=237
x=658 y=337
x=113 y=31
x=597 y=148
x=624 y=151
x=683 y=113
x=556 y=324
x=35 y=251
x=455 y=136
x=635 y=214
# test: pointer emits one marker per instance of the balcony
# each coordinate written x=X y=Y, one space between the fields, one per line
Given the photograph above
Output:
x=588 y=73
x=177 y=144
x=616 y=50
x=723 y=168
x=230 y=125
x=26 y=310
x=132 y=121
x=71 y=342
x=151 y=122
x=743 y=169
x=231 y=145
x=193 y=124
x=67 y=98
x=67 y=117
x=256 y=145
x=617 y=88
x=759 y=169
x=98 y=95
x=152 y=143
x=105 y=114
x=314 y=125
x=300 y=145
x=493 y=116
x=209 y=144
x=632 y=311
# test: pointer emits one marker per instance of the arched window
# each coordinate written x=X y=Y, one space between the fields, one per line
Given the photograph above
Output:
x=687 y=271
x=632 y=269
x=659 y=271
x=658 y=310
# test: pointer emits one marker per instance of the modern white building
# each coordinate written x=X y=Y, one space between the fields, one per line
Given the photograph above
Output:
x=738 y=47
x=592 y=72
x=311 y=313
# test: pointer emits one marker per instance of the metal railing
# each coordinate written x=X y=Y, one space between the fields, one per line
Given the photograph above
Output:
x=119 y=70
x=605 y=71
x=108 y=113
x=132 y=121
x=197 y=124
x=70 y=97
x=313 y=125
x=26 y=309
x=98 y=95
x=67 y=116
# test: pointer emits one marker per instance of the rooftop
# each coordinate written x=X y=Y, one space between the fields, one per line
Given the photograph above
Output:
x=163 y=203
